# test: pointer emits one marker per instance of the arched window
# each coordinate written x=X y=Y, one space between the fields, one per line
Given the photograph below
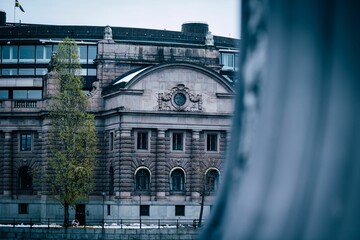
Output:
x=212 y=180
x=111 y=181
x=142 y=180
x=177 y=180
x=24 y=178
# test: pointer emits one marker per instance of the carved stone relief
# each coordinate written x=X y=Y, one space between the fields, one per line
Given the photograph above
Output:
x=179 y=98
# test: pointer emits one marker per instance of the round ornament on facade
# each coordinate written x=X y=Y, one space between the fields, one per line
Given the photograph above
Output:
x=180 y=99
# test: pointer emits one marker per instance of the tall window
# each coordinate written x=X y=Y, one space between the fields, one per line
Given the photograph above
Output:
x=211 y=142
x=24 y=178
x=177 y=180
x=212 y=180
x=177 y=141
x=25 y=142
x=23 y=208
x=142 y=180
x=111 y=182
x=111 y=141
x=142 y=140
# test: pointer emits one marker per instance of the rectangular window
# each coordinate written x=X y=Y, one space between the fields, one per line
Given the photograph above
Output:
x=111 y=141
x=211 y=142
x=27 y=54
x=4 y=94
x=26 y=71
x=27 y=94
x=144 y=210
x=228 y=60
x=23 y=208
x=108 y=209
x=179 y=210
x=83 y=53
x=9 y=71
x=142 y=140
x=25 y=142
x=91 y=72
x=43 y=53
x=177 y=141
x=10 y=54
x=91 y=54
x=41 y=71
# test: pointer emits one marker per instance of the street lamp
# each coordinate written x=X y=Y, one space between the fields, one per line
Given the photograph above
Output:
x=103 y=211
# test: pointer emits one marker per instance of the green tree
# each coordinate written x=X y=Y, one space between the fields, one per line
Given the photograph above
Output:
x=73 y=137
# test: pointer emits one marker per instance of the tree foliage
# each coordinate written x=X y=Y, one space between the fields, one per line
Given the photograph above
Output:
x=73 y=139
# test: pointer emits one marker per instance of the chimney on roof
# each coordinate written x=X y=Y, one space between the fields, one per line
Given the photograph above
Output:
x=2 y=18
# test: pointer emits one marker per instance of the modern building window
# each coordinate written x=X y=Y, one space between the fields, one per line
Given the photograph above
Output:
x=27 y=54
x=43 y=53
x=179 y=210
x=91 y=72
x=25 y=142
x=83 y=72
x=24 y=178
x=4 y=94
x=228 y=61
x=9 y=54
x=27 y=94
x=9 y=71
x=83 y=53
x=111 y=181
x=26 y=71
x=144 y=210
x=41 y=71
x=212 y=142
x=91 y=54
x=212 y=180
x=177 y=141
x=23 y=208
x=142 y=180
x=142 y=140
x=177 y=180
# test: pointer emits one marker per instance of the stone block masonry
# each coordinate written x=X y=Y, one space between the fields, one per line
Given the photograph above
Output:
x=10 y=233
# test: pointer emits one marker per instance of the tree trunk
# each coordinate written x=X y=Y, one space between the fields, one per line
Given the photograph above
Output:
x=202 y=205
x=66 y=214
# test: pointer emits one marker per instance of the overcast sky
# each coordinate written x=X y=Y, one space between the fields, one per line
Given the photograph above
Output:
x=221 y=15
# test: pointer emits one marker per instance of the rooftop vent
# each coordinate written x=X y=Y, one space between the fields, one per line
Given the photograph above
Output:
x=195 y=27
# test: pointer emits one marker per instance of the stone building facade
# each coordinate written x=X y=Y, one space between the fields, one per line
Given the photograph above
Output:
x=161 y=105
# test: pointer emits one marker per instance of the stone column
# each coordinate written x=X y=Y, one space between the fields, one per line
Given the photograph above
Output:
x=160 y=163
x=7 y=172
x=195 y=154
x=126 y=177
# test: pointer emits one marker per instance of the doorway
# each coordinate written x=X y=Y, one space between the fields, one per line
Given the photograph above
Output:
x=80 y=213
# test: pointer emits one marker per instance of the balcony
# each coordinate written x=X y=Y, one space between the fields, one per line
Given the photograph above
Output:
x=21 y=105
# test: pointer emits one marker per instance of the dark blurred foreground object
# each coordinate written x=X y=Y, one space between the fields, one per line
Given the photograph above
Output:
x=300 y=179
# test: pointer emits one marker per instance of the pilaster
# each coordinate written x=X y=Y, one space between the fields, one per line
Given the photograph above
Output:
x=161 y=179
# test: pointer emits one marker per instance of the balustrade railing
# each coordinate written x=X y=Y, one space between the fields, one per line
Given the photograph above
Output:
x=25 y=104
